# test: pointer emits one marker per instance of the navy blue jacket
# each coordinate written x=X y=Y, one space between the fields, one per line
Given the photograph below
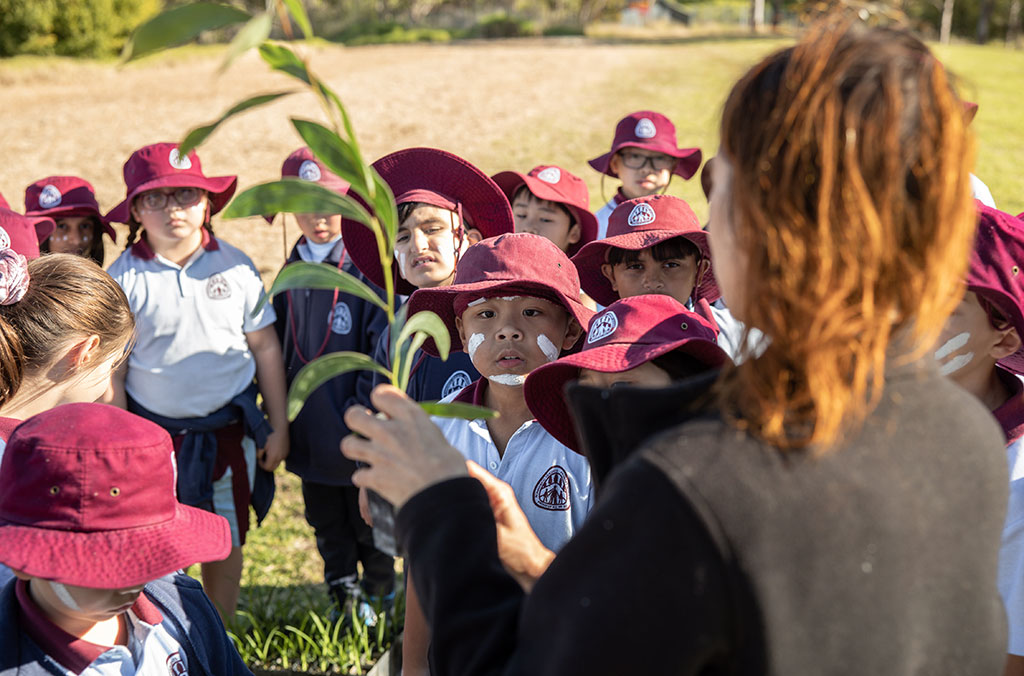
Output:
x=308 y=326
x=208 y=650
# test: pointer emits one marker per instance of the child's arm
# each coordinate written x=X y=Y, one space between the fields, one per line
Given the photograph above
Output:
x=416 y=639
x=266 y=350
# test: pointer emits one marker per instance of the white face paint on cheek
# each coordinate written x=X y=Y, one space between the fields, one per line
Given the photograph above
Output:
x=509 y=379
x=547 y=347
x=473 y=344
x=955 y=364
x=952 y=345
x=401 y=265
x=64 y=595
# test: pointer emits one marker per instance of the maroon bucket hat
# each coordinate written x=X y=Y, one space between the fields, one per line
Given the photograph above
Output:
x=87 y=498
x=996 y=271
x=22 y=233
x=304 y=165
x=161 y=166
x=625 y=335
x=651 y=131
x=516 y=260
x=434 y=177
x=640 y=224
x=57 y=196
x=554 y=184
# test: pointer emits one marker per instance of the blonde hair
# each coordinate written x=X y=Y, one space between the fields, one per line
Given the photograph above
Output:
x=851 y=201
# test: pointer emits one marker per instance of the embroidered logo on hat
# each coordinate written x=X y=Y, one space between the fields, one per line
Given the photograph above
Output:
x=50 y=197
x=642 y=214
x=217 y=288
x=5 y=239
x=552 y=491
x=645 y=128
x=310 y=171
x=177 y=161
x=455 y=383
x=550 y=175
x=341 y=319
x=602 y=327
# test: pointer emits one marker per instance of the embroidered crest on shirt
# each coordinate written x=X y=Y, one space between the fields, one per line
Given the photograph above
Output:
x=176 y=666
x=309 y=171
x=552 y=491
x=455 y=383
x=5 y=239
x=217 y=288
x=642 y=214
x=341 y=319
x=602 y=327
x=645 y=129
x=177 y=161
x=550 y=175
x=50 y=197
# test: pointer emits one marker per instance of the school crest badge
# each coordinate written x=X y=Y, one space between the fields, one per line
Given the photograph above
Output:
x=176 y=666
x=177 y=161
x=5 y=239
x=341 y=319
x=309 y=171
x=642 y=214
x=602 y=327
x=217 y=288
x=552 y=491
x=455 y=383
x=550 y=175
x=50 y=197
x=645 y=128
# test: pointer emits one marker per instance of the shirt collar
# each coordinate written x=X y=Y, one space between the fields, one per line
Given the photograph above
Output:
x=141 y=248
x=619 y=197
x=1011 y=414
x=473 y=393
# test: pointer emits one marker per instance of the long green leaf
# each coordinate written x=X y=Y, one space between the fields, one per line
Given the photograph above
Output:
x=302 y=275
x=253 y=33
x=298 y=13
x=457 y=409
x=198 y=135
x=430 y=324
x=294 y=196
x=319 y=371
x=384 y=208
x=283 y=59
x=179 y=25
x=333 y=151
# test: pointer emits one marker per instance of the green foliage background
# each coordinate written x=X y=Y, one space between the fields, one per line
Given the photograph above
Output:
x=94 y=28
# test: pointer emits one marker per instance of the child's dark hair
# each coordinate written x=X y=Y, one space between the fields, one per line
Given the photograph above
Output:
x=562 y=207
x=95 y=251
x=679 y=365
x=406 y=208
x=67 y=296
x=996 y=319
x=677 y=247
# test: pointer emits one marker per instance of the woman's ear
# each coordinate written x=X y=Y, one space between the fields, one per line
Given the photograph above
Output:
x=572 y=333
x=473 y=236
x=84 y=352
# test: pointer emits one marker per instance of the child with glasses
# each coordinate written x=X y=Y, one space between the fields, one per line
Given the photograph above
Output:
x=199 y=346
x=644 y=156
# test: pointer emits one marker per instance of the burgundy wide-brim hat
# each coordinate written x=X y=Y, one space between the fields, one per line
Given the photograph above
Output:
x=554 y=184
x=438 y=178
x=996 y=271
x=161 y=166
x=87 y=498
x=522 y=261
x=625 y=335
x=305 y=166
x=60 y=196
x=652 y=131
x=640 y=224
x=22 y=233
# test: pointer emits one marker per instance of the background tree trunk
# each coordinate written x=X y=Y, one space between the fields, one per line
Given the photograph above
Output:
x=1013 y=25
x=984 y=21
x=947 y=21
x=756 y=15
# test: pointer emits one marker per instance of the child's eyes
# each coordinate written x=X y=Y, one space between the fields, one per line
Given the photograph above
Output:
x=634 y=266
x=531 y=312
x=670 y=264
x=485 y=314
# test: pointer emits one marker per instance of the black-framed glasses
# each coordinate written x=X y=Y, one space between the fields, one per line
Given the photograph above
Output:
x=635 y=160
x=157 y=199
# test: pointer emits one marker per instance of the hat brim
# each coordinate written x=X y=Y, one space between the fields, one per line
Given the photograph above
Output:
x=686 y=167
x=220 y=190
x=591 y=257
x=441 y=300
x=510 y=181
x=483 y=203
x=545 y=386
x=61 y=212
x=44 y=226
x=116 y=559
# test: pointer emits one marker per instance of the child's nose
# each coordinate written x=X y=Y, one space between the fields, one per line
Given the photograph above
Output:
x=509 y=332
x=419 y=240
x=653 y=280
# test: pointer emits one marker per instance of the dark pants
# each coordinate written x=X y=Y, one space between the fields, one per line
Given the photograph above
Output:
x=344 y=539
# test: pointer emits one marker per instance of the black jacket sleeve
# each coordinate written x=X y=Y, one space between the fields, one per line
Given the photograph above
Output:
x=641 y=588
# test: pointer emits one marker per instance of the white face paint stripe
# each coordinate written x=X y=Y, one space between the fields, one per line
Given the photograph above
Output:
x=509 y=379
x=473 y=344
x=547 y=347
x=64 y=595
x=952 y=345
x=401 y=265
x=510 y=298
x=956 y=363
x=476 y=302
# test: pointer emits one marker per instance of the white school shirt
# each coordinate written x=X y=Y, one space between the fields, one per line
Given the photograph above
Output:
x=551 y=482
x=152 y=650
x=191 y=356
x=1011 y=553
x=602 y=218
x=980 y=192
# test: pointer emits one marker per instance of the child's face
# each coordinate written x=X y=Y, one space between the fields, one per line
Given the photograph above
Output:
x=969 y=345
x=642 y=172
x=506 y=338
x=69 y=606
x=426 y=246
x=544 y=218
x=319 y=228
x=170 y=215
x=673 y=277
x=73 y=235
x=645 y=375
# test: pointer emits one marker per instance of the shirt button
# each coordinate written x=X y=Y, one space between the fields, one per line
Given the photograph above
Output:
x=494 y=465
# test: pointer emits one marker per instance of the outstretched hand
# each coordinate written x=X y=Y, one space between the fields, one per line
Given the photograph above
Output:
x=405 y=450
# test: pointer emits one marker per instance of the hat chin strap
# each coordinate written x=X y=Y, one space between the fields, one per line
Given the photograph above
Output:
x=461 y=234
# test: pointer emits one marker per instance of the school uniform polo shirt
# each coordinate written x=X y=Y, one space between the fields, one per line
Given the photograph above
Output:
x=605 y=212
x=1011 y=552
x=551 y=482
x=190 y=355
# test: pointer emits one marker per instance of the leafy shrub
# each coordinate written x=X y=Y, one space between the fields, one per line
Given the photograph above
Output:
x=69 y=27
x=400 y=34
x=561 y=30
x=504 y=26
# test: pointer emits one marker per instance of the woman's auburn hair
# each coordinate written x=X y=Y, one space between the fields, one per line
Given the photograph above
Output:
x=851 y=202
